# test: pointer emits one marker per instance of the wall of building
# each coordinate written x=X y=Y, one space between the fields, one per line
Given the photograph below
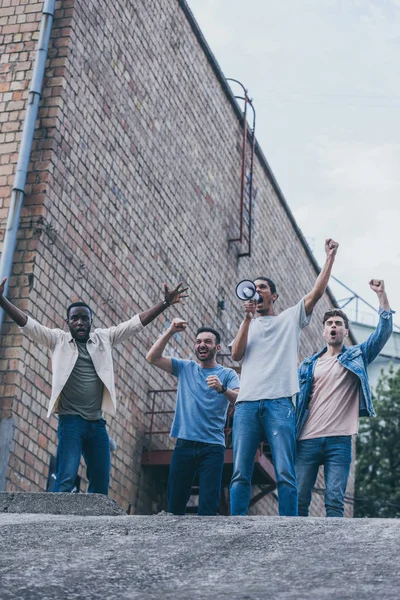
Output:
x=134 y=181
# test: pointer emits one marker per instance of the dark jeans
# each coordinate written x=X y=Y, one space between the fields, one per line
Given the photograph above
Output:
x=252 y=423
x=77 y=437
x=188 y=459
x=335 y=454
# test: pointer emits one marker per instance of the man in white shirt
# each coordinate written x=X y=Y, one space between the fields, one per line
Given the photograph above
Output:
x=268 y=344
x=83 y=384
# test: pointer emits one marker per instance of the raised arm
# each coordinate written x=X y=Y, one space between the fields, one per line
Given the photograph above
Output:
x=378 y=338
x=12 y=311
x=240 y=341
x=378 y=286
x=170 y=297
x=323 y=278
x=155 y=354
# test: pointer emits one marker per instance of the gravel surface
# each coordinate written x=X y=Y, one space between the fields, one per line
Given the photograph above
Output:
x=46 y=556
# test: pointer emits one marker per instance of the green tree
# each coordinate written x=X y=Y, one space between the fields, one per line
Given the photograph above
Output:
x=378 y=453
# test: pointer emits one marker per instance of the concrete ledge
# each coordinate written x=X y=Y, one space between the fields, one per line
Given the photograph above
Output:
x=59 y=504
x=197 y=558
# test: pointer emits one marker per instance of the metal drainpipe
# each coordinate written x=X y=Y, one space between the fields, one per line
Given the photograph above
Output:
x=18 y=191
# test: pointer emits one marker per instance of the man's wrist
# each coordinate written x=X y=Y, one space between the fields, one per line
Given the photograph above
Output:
x=166 y=303
x=223 y=389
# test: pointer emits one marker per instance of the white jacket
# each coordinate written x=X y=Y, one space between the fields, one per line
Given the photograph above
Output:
x=65 y=354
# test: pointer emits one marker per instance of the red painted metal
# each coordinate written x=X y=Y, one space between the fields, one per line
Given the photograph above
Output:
x=251 y=177
x=247 y=102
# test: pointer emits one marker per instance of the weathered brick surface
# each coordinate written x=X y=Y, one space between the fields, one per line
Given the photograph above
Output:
x=134 y=181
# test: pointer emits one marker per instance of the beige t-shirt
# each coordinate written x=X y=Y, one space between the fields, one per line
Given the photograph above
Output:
x=334 y=403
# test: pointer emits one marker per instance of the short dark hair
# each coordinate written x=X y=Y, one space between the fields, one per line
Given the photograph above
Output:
x=74 y=304
x=210 y=330
x=271 y=284
x=336 y=312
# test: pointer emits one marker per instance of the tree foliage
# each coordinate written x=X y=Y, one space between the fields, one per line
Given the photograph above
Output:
x=378 y=453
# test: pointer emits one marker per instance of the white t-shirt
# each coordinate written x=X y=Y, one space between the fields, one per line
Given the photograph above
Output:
x=269 y=368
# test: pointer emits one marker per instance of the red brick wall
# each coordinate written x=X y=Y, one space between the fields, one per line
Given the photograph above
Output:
x=134 y=181
x=25 y=369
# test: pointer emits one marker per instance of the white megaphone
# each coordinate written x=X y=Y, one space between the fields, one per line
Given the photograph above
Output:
x=246 y=290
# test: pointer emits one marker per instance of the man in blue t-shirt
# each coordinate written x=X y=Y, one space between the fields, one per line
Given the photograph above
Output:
x=205 y=390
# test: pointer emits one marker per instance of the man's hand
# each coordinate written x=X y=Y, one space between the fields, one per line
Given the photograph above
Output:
x=214 y=383
x=170 y=297
x=377 y=285
x=176 y=295
x=2 y=286
x=250 y=309
x=331 y=247
x=177 y=326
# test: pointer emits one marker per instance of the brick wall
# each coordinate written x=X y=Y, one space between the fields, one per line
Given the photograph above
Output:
x=25 y=369
x=134 y=181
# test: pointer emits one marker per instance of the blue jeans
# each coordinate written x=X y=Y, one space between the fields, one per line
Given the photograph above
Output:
x=188 y=459
x=253 y=422
x=335 y=454
x=76 y=437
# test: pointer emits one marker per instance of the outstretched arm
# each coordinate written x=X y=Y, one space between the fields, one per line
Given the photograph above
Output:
x=323 y=278
x=170 y=297
x=12 y=311
x=155 y=354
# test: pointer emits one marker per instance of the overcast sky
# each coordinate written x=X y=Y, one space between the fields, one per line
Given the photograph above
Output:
x=324 y=78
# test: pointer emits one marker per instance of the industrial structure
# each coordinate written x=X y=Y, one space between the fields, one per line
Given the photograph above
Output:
x=143 y=170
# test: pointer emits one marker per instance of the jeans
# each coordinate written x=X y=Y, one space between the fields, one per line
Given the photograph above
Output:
x=335 y=454
x=252 y=423
x=77 y=436
x=188 y=459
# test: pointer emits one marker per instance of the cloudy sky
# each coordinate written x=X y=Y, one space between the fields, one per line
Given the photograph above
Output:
x=324 y=78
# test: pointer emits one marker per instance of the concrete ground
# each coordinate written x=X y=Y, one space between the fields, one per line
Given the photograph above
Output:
x=47 y=556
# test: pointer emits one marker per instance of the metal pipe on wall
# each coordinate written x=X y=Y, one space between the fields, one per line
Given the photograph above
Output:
x=18 y=191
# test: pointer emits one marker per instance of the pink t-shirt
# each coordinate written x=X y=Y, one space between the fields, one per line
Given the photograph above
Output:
x=334 y=403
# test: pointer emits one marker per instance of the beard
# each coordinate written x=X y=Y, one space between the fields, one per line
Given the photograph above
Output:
x=206 y=357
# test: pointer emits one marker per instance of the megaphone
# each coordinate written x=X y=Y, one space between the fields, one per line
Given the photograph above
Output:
x=246 y=290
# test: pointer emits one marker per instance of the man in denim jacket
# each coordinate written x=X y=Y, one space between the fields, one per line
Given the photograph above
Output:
x=334 y=392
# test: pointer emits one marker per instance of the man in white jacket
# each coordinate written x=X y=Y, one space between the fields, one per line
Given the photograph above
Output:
x=83 y=384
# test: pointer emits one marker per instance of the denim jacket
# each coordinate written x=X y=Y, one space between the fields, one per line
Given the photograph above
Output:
x=355 y=359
